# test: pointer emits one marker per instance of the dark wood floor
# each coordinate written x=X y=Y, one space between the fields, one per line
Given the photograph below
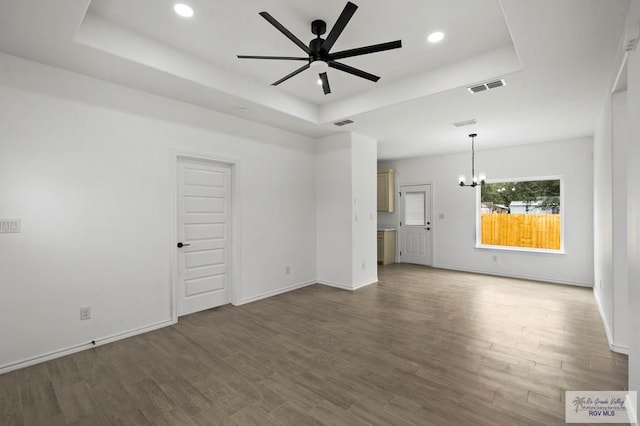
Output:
x=424 y=346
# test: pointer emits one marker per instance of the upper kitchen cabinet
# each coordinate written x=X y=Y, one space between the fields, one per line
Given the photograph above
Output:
x=386 y=185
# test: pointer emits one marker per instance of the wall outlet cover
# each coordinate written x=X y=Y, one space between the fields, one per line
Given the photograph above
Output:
x=85 y=313
x=9 y=226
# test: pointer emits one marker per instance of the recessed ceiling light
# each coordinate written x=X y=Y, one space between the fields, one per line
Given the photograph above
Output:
x=435 y=37
x=183 y=10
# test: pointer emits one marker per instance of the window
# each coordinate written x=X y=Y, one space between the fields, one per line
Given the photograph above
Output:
x=414 y=214
x=521 y=214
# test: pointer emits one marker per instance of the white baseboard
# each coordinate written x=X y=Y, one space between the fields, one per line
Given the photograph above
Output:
x=607 y=328
x=336 y=285
x=520 y=276
x=632 y=410
x=619 y=349
x=273 y=293
x=365 y=283
x=348 y=287
x=82 y=346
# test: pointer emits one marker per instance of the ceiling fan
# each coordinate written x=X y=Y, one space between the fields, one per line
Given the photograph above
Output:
x=319 y=57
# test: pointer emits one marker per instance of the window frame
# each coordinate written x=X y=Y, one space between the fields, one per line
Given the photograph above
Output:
x=479 y=244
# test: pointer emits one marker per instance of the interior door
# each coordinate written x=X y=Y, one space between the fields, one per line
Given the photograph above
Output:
x=204 y=244
x=414 y=233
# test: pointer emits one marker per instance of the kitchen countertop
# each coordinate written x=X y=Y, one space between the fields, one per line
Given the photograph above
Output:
x=386 y=229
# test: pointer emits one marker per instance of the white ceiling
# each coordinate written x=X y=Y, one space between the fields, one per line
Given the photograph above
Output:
x=556 y=57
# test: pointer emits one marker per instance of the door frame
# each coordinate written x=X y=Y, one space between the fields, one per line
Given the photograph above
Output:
x=234 y=240
x=399 y=217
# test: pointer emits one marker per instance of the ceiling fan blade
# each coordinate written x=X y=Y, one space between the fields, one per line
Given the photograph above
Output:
x=355 y=71
x=285 y=31
x=338 y=27
x=296 y=72
x=284 y=58
x=325 y=83
x=366 y=50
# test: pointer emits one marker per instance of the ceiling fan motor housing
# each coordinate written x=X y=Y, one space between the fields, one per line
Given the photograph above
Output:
x=318 y=27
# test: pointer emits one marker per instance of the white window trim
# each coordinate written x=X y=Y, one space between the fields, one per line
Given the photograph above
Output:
x=479 y=244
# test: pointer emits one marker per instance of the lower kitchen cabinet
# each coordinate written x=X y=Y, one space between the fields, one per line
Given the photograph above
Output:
x=386 y=246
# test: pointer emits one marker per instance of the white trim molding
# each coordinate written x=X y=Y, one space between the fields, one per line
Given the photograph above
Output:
x=352 y=287
x=508 y=275
x=236 y=237
x=607 y=328
x=632 y=410
x=272 y=293
x=82 y=346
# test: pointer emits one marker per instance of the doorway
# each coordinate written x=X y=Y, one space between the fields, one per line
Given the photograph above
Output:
x=414 y=232
x=204 y=244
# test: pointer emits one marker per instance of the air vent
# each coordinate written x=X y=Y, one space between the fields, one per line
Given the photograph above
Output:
x=343 y=122
x=486 y=86
x=465 y=123
x=476 y=89
x=631 y=37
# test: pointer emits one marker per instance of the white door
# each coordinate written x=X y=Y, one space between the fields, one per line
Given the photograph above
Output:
x=414 y=233
x=204 y=243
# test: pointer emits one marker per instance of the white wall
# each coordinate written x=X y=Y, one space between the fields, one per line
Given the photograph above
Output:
x=334 y=212
x=602 y=216
x=620 y=268
x=87 y=167
x=346 y=220
x=363 y=165
x=610 y=219
x=454 y=237
x=633 y=215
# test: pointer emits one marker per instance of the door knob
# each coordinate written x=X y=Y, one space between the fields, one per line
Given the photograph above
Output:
x=180 y=245
x=428 y=229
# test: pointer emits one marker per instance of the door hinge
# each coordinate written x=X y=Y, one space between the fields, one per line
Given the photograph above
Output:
x=400 y=253
x=400 y=223
x=399 y=194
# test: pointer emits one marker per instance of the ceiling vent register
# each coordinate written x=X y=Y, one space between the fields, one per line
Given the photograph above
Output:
x=486 y=86
x=465 y=123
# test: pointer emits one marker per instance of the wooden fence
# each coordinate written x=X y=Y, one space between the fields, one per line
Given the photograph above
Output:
x=521 y=230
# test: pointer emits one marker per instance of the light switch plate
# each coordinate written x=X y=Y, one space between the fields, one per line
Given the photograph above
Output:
x=9 y=225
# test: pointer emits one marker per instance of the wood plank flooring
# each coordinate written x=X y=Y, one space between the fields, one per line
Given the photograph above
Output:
x=423 y=346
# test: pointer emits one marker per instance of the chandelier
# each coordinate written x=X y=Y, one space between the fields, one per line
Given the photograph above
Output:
x=475 y=180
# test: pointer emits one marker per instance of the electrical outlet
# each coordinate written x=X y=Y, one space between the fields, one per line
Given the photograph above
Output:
x=85 y=313
x=9 y=225
x=364 y=265
x=287 y=270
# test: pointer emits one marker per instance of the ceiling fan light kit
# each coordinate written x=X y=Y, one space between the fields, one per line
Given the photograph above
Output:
x=319 y=58
x=183 y=10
